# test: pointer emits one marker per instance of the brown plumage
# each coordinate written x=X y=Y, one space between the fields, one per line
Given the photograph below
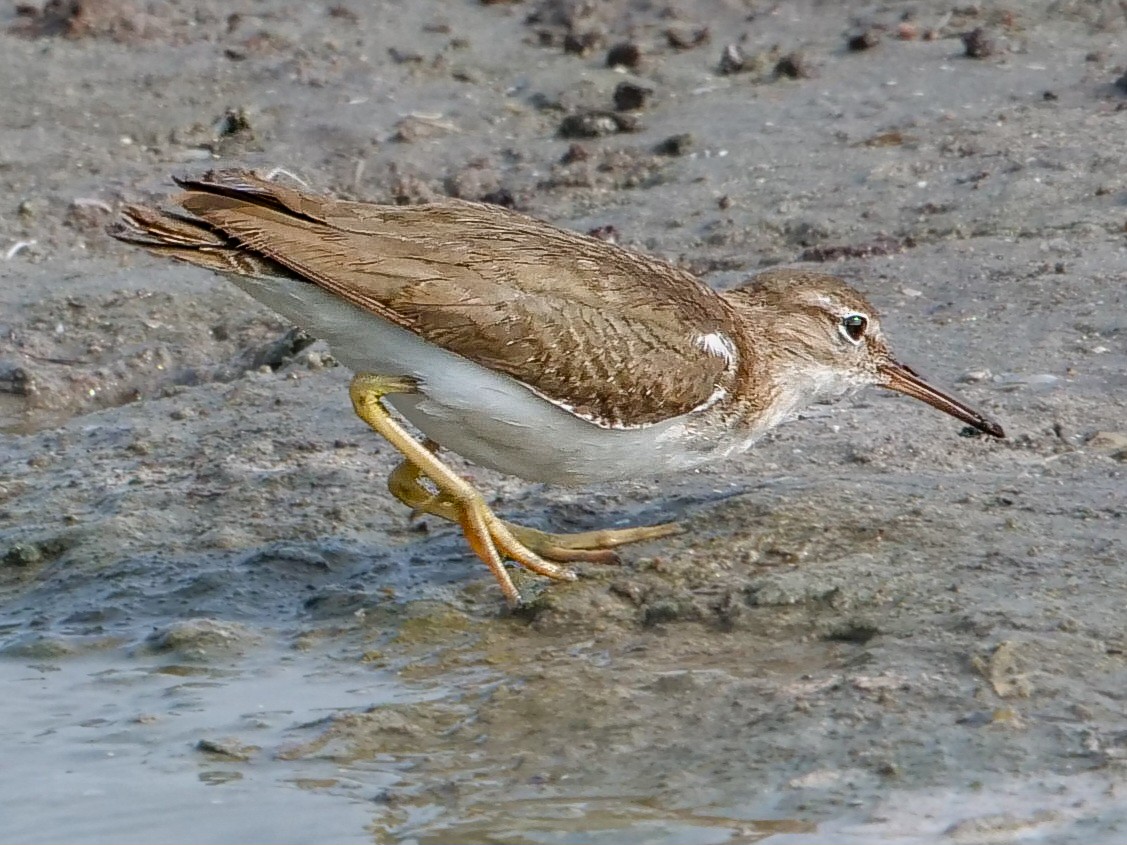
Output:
x=529 y=349
x=499 y=288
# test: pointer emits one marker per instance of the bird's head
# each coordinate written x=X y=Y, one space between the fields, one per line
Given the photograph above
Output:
x=824 y=339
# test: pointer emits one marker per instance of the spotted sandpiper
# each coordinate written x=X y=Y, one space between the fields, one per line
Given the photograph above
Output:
x=535 y=351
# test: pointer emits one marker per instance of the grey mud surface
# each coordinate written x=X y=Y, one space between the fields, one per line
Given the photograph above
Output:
x=217 y=626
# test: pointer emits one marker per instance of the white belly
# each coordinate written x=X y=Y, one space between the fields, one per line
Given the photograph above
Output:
x=484 y=416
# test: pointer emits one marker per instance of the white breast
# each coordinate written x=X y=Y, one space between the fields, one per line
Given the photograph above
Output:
x=487 y=417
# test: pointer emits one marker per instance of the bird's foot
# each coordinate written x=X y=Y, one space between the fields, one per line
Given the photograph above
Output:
x=584 y=546
x=455 y=499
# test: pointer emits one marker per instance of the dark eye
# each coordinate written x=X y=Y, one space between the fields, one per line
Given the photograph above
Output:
x=853 y=327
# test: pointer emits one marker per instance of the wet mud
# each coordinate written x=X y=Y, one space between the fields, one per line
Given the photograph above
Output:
x=215 y=623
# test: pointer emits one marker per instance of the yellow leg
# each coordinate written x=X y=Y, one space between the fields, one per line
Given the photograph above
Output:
x=585 y=546
x=487 y=535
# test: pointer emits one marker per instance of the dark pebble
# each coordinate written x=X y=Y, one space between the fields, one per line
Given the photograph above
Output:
x=851 y=632
x=978 y=45
x=502 y=197
x=279 y=352
x=581 y=43
x=628 y=96
x=343 y=13
x=542 y=102
x=233 y=122
x=403 y=57
x=793 y=66
x=669 y=610
x=16 y=380
x=595 y=124
x=866 y=40
x=878 y=247
x=626 y=55
x=681 y=39
x=731 y=60
x=575 y=152
x=23 y=554
x=604 y=233
x=675 y=145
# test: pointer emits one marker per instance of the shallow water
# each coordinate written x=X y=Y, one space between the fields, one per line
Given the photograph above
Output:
x=101 y=749
x=97 y=749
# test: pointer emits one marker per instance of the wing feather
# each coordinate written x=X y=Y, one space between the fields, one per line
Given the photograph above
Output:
x=613 y=336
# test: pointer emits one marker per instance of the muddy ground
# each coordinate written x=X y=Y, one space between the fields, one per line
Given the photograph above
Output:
x=217 y=625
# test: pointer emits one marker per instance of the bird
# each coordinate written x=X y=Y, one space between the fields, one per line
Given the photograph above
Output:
x=529 y=349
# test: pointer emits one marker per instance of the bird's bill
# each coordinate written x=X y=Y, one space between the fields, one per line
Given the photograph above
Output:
x=902 y=379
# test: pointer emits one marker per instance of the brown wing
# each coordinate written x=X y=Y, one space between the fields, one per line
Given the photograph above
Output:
x=612 y=335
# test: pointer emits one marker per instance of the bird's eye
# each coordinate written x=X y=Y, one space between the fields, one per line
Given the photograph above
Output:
x=853 y=327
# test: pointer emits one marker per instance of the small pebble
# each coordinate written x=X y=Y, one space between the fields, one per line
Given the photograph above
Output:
x=227 y=747
x=23 y=554
x=606 y=233
x=793 y=66
x=630 y=97
x=978 y=45
x=502 y=197
x=625 y=55
x=866 y=40
x=575 y=152
x=581 y=43
x=731 y=60
x=596 y=124
x=675 y=145
x=680 y=38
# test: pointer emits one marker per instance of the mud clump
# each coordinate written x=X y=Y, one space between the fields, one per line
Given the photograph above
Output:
x=861 y=41
x=201 y=639
x=627 y=55
x=978 y=44
x=597 y=124
x=76 y=19
x=629 y=96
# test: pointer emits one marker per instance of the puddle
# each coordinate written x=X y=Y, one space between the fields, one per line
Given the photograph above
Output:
x=304 y=747
x=97 y=751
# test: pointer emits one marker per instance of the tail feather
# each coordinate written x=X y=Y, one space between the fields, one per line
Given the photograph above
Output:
x=248 y=187
x=144 y=226
x=189 y=239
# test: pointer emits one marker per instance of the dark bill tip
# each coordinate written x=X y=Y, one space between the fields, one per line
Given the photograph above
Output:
x=904 y=380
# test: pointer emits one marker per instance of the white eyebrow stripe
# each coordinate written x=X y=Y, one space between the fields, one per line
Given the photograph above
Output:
x=718 y=344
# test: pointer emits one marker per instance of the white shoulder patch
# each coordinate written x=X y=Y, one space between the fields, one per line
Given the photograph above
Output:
x=718 y=344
